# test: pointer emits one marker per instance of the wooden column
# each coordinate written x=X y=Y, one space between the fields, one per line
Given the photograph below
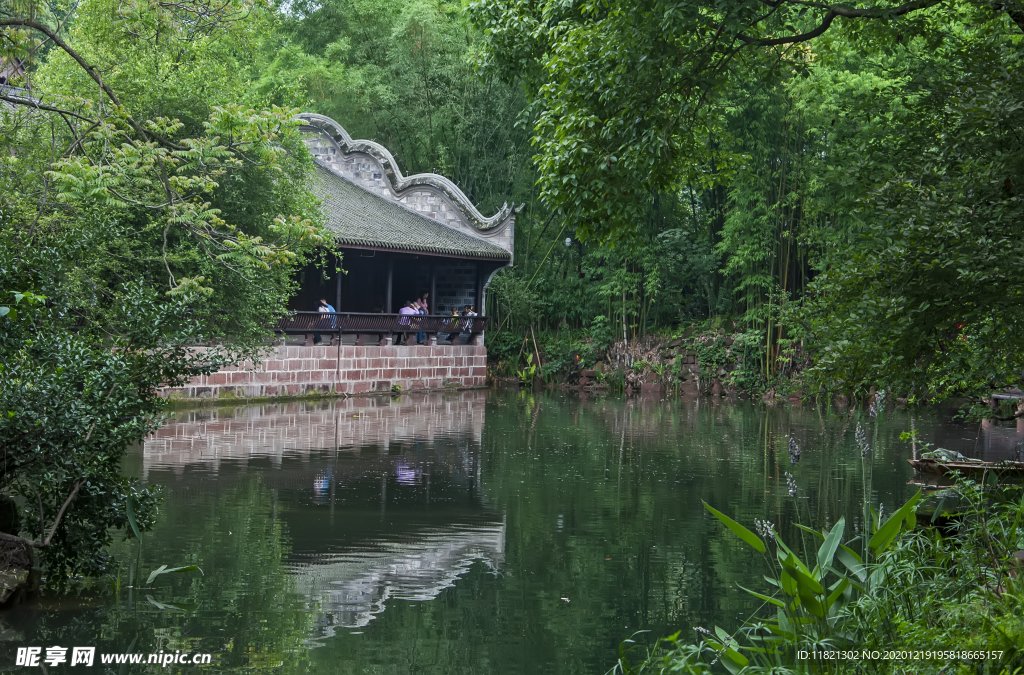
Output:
x=391 y=276
x=337 y=284
x=478 y=291
x=433 y=288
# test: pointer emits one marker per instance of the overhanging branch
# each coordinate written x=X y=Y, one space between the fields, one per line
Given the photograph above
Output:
x=92 y=72
x=32 y=103
x=831 y=13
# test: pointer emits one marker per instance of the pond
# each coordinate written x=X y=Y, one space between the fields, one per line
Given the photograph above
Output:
x=470 y=532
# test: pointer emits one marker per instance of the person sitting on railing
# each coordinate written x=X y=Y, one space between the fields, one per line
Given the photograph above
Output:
x=469 y=312
x=405 y=319
x=325 y=323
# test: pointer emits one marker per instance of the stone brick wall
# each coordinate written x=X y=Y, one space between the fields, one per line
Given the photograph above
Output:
x=300 y=371
x=456 y=287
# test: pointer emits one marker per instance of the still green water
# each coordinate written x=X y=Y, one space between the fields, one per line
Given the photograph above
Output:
x=475 y=532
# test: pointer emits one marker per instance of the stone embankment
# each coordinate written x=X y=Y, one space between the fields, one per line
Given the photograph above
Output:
x=291 y=371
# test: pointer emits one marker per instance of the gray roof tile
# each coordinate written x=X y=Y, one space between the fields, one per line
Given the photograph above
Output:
x=357 y=217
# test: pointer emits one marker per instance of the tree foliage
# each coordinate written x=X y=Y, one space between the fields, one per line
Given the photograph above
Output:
x=860 y=160
x=150 y=203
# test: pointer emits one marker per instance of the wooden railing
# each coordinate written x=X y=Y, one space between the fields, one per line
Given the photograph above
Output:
x=382 y=328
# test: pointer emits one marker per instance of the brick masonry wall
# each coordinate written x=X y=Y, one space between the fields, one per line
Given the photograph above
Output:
x=302 y=371
x=456 y=287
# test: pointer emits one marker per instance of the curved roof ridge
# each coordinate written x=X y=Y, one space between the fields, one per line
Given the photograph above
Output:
x=400 y=182
x=357 y=216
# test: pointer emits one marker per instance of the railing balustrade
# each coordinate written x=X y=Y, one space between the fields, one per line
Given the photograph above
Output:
x=383 y=326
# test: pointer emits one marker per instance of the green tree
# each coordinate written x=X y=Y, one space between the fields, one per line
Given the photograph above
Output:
x=403 y=73
x=924 y=296
x=870 y=161
x=150 y=203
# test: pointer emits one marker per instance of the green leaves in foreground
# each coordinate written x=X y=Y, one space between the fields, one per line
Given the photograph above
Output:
x=808 y=601
x=886 y=533
x=740 y=531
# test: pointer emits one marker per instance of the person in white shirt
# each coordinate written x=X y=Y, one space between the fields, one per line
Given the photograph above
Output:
x=406 y=311
x=324 y=308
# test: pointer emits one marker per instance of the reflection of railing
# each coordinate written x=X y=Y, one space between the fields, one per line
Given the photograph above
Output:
x=384 y=326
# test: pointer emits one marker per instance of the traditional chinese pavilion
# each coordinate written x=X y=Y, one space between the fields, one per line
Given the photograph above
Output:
x=400 y=236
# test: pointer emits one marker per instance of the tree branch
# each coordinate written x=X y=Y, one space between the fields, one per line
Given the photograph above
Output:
x=91 y=71
x=21 y=540
x=49 y=537
x=32 y=103
x=60 y=514
x=833 y=12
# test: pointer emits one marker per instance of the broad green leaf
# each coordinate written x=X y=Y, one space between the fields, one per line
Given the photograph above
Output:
x=777 y=603
x=784 y=623
x=805 y=582
x=131 y=518
x=180 y=606
x=835 y=594
x=740 y=531
x=938 y=510
x=788 y=583
x=888 y=531
x=813 y=605
x=799 y=572
x=831 y=543
x=735 y=658
x=163 y=569
x=809 y=530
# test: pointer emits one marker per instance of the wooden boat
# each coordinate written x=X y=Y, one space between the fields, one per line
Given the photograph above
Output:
x=941 y=467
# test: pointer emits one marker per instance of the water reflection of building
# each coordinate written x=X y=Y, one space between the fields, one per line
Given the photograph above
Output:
x=205 y=437
x=379 y=497
x=1001 y=442
x=352 y=587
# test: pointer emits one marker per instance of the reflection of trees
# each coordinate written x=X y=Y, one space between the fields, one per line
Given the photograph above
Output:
x=247 y=613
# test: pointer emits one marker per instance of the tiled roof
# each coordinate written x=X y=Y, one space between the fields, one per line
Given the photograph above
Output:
x=358 y=217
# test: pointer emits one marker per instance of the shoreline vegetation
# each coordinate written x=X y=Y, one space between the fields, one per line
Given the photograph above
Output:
x=709 y=358
x=938 y=586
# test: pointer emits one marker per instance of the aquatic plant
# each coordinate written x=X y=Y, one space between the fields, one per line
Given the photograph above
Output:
x=810 y=601
x=877 y=404
x=956 y=592
x=862 y=441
